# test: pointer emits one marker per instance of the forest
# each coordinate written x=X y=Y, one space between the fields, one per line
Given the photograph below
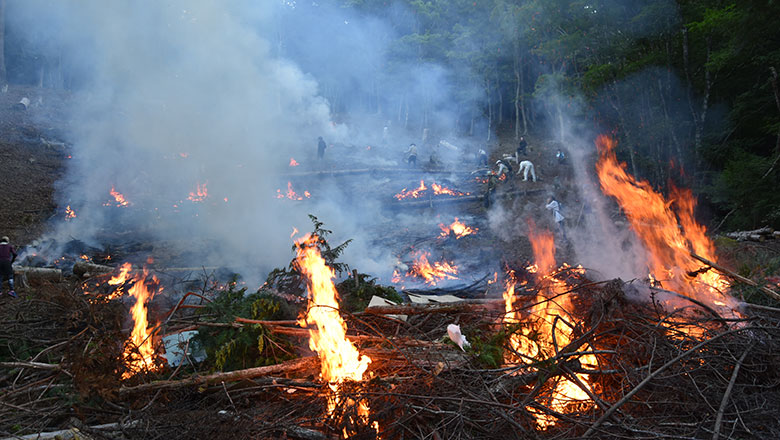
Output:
x=688 y=87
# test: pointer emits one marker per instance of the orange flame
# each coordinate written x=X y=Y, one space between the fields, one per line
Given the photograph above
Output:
x=458 y=229
x=551 y=322
x=199 y=194
x=432 y=273
x=69 y=213
x=139 y=350
x=667 y=241
x=414 y=193
x=439 y=189
x=339 y=358
x=291 y=194
x=119 y=198
x=293 y=163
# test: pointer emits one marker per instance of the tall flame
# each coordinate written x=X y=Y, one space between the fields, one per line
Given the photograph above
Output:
x=339 y=358
x=549 y=317
x=667 y=241
x=139 y=349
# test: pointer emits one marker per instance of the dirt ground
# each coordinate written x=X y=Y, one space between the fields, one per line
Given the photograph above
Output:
x=33 y=159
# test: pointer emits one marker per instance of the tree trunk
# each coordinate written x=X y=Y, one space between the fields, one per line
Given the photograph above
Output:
x=500 y=104
x=2 y=43
x=489 y=108
x=517 y=99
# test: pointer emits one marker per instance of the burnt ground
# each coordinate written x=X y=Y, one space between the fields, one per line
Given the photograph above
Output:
x=32 y=157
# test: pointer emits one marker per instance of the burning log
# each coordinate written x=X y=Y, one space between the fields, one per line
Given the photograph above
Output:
x=464 y=199
x=84 y=269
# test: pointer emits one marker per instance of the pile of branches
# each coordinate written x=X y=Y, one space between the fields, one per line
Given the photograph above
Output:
x=661 y=373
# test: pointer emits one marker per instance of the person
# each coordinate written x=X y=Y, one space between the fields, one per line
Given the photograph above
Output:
x=492 y=182
x=504 y=167
x=561 y=156
x=555 y=207
x=482 y=157
x=525 y=167
x=521 y=148
x=7 y=258
x=321 y=146
x=411 y=155
x=386 y=133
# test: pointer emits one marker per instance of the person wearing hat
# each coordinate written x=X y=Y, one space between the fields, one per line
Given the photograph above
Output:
x=7 y=257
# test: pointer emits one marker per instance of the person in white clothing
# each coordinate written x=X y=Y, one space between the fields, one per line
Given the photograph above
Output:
x=555 y=207
x=525 y=167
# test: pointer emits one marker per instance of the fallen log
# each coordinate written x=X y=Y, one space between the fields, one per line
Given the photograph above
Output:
x=736 y=276
x=36 y=275
x=392 y=171
x=754 y=235
x=464 y=199
x=84 y=269
x=417 y=309
x=74 y=433
x=305 y=363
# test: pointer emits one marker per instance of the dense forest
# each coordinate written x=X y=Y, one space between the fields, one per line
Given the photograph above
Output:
x=689 y=88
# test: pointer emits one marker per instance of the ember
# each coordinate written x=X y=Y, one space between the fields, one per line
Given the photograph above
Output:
x=69 y=213
x=293 y=162
x=199 y=194
x=291 y=194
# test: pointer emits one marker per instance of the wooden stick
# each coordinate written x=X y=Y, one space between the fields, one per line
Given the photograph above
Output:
x=737 y=277
x=230 y=376
x=727 y=394
x=417 y=309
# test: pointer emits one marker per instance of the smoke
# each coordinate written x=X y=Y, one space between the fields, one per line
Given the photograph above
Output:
x=175 y=97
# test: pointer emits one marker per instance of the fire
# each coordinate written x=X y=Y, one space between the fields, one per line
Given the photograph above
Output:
x=667 y=229
x=119 y=198
x=432 y=273
x=457 y=228
x=69 y=213
x=437 y=189
x=291 y=194
x=199 y=194
x=293 y=163
x=551 y=323
x=139 y=350
x=295 y=231
x=414 y=193
x=339 y=358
